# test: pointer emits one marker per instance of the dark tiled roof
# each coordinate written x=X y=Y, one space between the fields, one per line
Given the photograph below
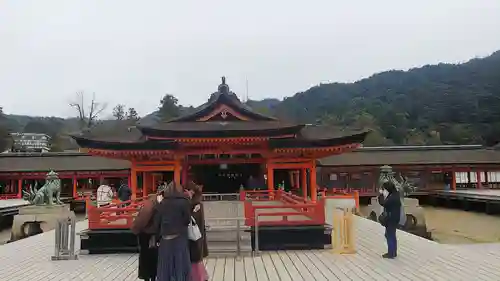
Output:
x=113 y=130
x=321 y=132
x=116 y=145
x=437 y=155
x=221 y=129
x=44 y=162
x=310 y=143
x=226 y=97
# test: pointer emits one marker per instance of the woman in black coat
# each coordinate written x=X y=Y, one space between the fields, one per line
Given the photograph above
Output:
x=390 y=220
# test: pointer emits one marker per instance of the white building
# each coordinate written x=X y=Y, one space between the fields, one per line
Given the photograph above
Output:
x=30 y=142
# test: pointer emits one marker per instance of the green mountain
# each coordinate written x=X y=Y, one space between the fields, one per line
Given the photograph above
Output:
x=445 y=103
x=434 y=104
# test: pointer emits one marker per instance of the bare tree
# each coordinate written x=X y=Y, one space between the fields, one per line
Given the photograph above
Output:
x=119 y=112
x=87 y=114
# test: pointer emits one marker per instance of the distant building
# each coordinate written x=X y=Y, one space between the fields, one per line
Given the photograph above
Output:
x=30 y=142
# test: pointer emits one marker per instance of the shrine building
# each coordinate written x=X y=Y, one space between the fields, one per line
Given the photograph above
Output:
x=221 y=145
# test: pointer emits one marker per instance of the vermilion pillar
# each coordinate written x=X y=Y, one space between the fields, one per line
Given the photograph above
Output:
x=453 y=180
x=303 y=182
x=133 y=182
x=184 y=173
x=20 y=188
x=270 y=178
x=145 y=185
x=177 y=173
x=312 y=177
x=75 y=185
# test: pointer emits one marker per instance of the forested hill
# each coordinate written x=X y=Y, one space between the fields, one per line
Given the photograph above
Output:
x=434 y=104
x=438 y=104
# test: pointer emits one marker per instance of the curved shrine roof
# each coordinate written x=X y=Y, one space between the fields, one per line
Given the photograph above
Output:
x=224 y=116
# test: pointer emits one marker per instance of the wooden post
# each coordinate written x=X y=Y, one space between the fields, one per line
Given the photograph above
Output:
x=185 y=167
x=453 y=180
x=20 y=188
x=270 y=178
x=291 y=178
x=177 y=173
x=314 y=188
x=303 y=180
x=75 y=183
x=133 y=182
x=478 y=179
x=145 y=184
x=296 y=176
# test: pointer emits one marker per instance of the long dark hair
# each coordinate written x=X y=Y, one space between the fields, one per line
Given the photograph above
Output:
x=389 y=186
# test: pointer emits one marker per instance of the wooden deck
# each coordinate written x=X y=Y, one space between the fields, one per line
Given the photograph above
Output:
x=419 y=259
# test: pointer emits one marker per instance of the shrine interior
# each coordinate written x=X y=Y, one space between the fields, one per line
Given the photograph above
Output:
x=224 y=178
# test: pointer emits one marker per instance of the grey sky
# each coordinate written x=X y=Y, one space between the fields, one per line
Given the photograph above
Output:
x=133 y=52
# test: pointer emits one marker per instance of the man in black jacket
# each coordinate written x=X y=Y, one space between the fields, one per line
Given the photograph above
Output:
x=392 y=209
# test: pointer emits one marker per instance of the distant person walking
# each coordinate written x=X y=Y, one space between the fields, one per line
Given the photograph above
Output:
x=124 y=192
x=174 y=216
x=104 y=194
x=144 y=228
x=389 y=198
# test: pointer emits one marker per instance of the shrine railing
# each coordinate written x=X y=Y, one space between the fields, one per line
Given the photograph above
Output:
x=281 y=208
x=117 y=215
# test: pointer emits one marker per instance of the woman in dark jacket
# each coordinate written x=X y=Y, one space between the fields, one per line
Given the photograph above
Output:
x=145 y=230
x=392 y=210
x=198 y=250
x=174 y=216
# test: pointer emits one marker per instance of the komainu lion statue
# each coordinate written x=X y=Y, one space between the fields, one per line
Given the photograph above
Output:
x=415 y=218
x=48 y=194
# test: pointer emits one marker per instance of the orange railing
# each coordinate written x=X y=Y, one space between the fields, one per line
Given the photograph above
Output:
x=117 y=215
x=302 y=211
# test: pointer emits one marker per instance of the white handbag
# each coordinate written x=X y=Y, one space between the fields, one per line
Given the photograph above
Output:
x=194 y=233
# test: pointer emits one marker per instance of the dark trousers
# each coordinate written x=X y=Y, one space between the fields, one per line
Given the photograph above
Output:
x=148 y=258
x=392 y=242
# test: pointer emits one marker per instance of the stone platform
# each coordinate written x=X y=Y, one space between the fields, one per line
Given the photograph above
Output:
x=36 y=219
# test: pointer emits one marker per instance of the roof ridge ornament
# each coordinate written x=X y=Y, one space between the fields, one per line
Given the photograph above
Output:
x=223 y=87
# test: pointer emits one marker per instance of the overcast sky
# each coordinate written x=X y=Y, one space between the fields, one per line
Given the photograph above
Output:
x=133 y=52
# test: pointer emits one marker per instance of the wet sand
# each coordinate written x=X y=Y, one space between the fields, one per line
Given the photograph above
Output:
x=450 y=226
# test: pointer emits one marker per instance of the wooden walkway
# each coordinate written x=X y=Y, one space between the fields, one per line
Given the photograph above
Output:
x=419 y=259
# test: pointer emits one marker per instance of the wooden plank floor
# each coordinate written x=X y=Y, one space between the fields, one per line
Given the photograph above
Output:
x=419 y=259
